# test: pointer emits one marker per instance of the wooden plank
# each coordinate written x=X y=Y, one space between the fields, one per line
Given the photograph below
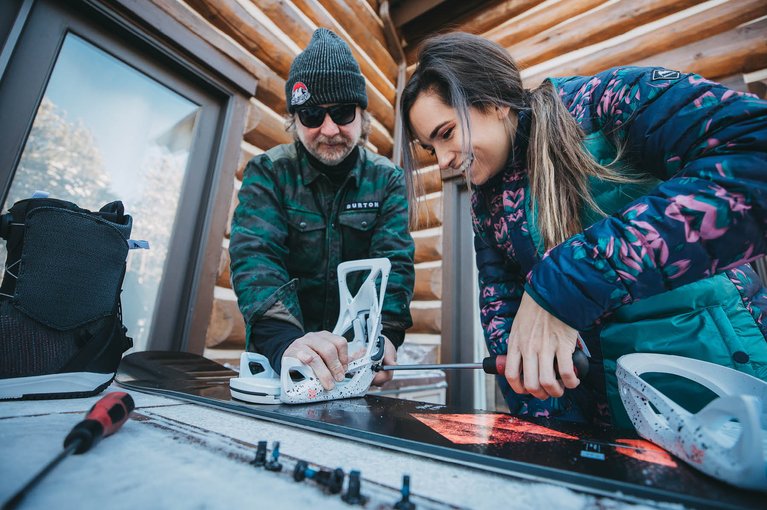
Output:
x=366 y=29
x=226 y=322
x=743 y=50
x=610 y=21
x=234 y=20
x=428 y=282
x=495 y=15
x=520 y=28
x=264 y=127
x=426 y=319
x=702 y=25
x=375 y=76
x=428 y=245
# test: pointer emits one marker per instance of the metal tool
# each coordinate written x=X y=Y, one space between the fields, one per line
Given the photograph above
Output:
x=491 y=365
x=104 y=419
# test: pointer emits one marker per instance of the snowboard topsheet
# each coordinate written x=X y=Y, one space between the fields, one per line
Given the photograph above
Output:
x=601 y=461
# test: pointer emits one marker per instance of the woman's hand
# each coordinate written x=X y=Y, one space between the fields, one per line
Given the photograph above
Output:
x=536 y=339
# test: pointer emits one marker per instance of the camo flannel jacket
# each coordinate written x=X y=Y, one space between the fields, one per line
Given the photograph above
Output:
x=707 y=146
x=291 y=229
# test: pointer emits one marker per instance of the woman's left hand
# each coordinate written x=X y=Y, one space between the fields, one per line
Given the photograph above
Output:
x=536 y=339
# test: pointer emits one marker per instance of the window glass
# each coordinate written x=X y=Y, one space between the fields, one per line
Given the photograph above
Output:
x=103 y=132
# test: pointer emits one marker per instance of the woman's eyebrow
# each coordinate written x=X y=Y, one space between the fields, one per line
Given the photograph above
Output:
x=434 y=131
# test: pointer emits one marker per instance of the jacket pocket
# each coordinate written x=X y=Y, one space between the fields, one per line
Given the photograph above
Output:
x=306 y=242
x=356 y=232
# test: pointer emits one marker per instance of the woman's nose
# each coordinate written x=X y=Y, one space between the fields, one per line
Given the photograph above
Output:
x=444 y=159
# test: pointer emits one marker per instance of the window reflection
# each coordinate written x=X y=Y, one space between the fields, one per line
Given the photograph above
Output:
x=105 y=131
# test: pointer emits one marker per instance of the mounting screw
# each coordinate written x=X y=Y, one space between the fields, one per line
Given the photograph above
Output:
x=353 y=496
x=405 y=503
x=260 y=459
x=274 y=464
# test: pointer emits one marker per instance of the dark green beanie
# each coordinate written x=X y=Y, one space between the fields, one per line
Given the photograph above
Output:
x=325 y=73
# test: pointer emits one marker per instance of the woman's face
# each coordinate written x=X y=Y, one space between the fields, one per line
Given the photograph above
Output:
x=437 y=129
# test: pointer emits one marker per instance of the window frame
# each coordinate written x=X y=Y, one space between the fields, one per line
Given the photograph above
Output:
x=179 y=59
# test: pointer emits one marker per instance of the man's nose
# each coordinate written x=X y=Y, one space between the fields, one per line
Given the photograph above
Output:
x=328 y=127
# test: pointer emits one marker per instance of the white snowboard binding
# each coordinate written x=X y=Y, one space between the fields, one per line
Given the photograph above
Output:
x=258 y=383
x=727 y=439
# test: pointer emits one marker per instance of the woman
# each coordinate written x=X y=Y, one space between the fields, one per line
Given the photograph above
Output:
x=622 y=207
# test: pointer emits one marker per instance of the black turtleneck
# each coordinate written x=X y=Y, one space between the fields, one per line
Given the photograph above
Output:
x=336 y=173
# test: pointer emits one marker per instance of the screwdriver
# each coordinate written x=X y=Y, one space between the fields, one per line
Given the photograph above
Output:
x=492 y=365
x=104 y=419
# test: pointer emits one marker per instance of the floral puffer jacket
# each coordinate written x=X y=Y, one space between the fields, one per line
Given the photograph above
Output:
x=666 y=271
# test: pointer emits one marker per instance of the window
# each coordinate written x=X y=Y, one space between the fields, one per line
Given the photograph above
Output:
x=95 y=111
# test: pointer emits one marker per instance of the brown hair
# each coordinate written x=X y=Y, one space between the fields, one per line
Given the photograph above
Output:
x=466 y=70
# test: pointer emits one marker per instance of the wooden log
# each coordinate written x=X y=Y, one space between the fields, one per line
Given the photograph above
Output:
x=232 y=206
x=495 y=15
x=270 y=89
x=743 y=50
x=233 y=19
x=431 y=180
x=223 y=275
x=264 y=127
x=226 y=322
x=426 y=319
x=525 y=26
x=376 y=76
x=366 y=29
x=429 y=211
x=381 y=138
x=698 y=26
x=428 y=282
x=288 y=19
x=428 y=245
x=612 y=20
x=246 y=154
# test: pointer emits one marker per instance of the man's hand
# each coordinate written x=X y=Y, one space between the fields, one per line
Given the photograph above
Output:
x=327 y=354
x=536 y=338
x=390 y=358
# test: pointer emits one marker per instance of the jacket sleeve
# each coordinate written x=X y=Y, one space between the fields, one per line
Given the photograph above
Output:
x=707 y=145
x=501 y=287
x=258 y=249
x=391 y=238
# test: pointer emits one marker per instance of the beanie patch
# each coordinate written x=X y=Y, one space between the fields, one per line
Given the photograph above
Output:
x=300 y=94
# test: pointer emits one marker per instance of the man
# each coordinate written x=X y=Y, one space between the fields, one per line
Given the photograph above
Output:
x=308 y=206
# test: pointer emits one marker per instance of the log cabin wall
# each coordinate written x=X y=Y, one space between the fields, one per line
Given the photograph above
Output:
x=724 y=40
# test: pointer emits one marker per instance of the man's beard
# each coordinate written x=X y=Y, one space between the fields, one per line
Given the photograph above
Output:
x=332 y=154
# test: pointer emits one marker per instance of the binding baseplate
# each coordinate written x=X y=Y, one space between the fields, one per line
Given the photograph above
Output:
x=258 y=383
x=727 y=439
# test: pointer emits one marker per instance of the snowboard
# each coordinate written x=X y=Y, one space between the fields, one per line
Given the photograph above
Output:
x=593 y=460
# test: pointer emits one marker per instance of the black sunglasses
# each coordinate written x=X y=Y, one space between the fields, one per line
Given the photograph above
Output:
x=314 y=116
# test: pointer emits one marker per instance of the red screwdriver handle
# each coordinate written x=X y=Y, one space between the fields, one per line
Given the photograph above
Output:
x=497 y=364
x=112 y=411
x=104 y=419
